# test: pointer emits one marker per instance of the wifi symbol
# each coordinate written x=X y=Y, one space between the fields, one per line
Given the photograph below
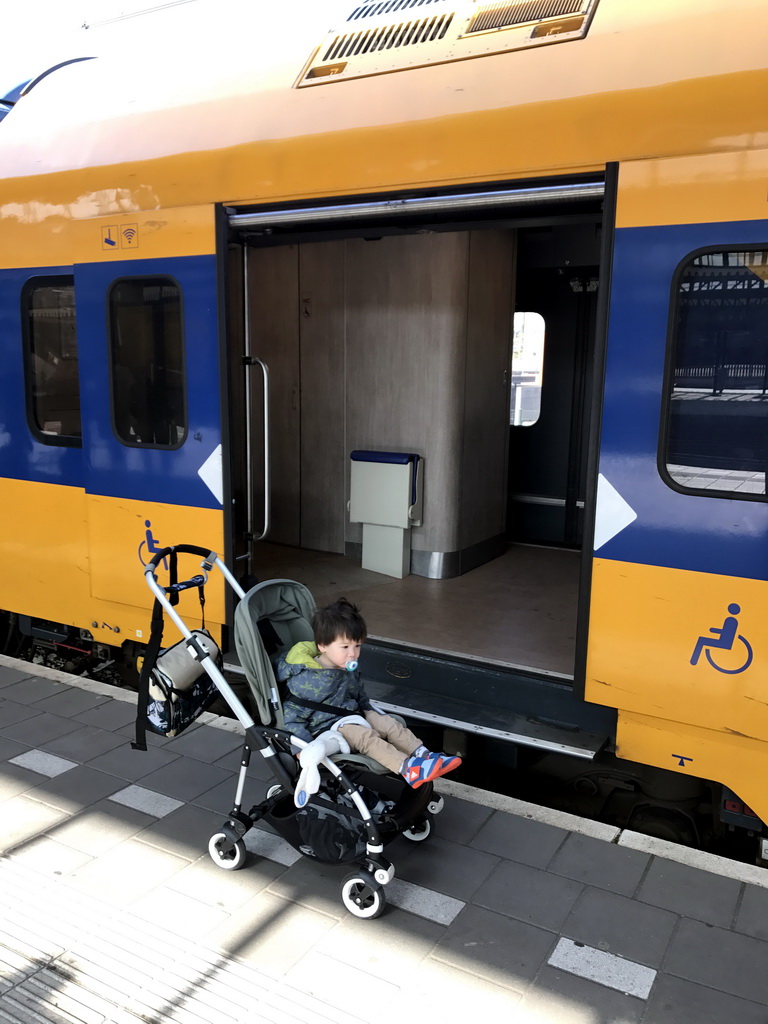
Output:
x=129 y=234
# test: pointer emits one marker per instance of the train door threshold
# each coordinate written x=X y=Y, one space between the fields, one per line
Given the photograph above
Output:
x=485 y=701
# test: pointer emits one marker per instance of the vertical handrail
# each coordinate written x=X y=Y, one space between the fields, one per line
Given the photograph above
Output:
x=249 y=362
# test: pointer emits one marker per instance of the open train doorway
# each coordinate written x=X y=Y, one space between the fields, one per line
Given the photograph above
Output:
x=404 y=339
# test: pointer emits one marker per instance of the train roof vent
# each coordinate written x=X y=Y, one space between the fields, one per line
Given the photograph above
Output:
x=394 y=35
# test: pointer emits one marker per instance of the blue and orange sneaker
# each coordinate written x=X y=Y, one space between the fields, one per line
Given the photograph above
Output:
x=418 y=770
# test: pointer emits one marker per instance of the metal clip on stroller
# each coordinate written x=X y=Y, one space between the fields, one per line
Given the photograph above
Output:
x=359 y=807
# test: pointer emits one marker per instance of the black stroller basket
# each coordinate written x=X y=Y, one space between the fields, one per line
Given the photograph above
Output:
x=358 y=808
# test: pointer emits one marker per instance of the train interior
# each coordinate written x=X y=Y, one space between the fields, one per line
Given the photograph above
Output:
x=470 y=345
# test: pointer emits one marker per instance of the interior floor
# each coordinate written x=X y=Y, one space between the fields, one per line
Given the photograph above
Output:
x=518 y=610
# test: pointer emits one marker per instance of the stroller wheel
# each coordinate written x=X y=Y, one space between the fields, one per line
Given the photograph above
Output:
x=419 y=831
x=226 y=854
x=273 y=791
x=362 y=896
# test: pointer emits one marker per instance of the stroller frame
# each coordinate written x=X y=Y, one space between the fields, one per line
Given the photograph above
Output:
x=362 y=891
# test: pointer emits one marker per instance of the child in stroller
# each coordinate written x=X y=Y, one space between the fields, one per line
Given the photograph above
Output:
x=322 y=691
x=357 y=806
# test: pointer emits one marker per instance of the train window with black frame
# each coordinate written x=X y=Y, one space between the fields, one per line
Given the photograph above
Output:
x=149 y=406
x=717 y=379
x=53 y=385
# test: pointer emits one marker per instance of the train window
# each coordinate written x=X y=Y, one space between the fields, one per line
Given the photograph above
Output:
x=53 y=387
x=527 y=368
x=146 y=340
x=717 y=392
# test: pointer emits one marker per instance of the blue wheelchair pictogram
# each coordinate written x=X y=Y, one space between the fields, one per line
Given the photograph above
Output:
x=723 y=638
x=151 y=545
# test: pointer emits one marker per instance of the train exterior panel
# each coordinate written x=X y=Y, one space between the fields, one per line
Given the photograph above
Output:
x=372 y=222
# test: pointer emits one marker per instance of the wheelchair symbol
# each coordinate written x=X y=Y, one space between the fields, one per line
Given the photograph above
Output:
x=151 y=545
x=723 y=638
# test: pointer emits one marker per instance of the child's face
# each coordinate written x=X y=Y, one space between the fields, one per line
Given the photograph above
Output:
x=337 y=654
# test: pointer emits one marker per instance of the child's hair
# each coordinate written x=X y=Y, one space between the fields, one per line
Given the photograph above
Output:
x=340 y=620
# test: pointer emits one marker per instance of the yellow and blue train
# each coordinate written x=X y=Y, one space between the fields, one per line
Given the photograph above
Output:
x=311 y=230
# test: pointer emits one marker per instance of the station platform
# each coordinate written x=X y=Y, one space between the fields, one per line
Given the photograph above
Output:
x=112 y=912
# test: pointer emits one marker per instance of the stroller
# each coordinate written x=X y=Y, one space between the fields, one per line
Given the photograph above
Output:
x=359 y=807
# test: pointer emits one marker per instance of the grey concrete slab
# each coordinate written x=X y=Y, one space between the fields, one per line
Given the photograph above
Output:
x=9 y=676
x=228 y=890
x=460 y=821
x=314 y=885
x=127 y=763
x=11 y=748
x=708 y=955
x=498 y=948
x=48 y=857
x=34 y=688
x=84 y=743
x=193 y=916
x=71 y=701
x=25 y=819
x=100 y=827
x=674 y=1001
x=621 y=926
x=126 y=872
x=76 y=789
x=185 y=832
x=690 y=892
x=600 y=864
x=207 y=743
x=185 y=778
x=752 y=917
x=111 y=716
x=11 y=713
x=528 y=894
x=15 y=779
x=528 y=842
x=38 y=729
x=271 y=933
x=445 y=866
x=442 y=992
x=557 y=997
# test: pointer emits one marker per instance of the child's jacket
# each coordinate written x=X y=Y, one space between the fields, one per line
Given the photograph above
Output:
x=302 y=676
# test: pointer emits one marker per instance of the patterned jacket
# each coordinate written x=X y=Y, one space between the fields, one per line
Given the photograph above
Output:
x=300 y=674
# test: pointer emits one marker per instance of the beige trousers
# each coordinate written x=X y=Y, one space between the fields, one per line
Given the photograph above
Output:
x=387 y=741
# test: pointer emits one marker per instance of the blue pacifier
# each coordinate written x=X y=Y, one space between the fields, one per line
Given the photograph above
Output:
x=351 y=666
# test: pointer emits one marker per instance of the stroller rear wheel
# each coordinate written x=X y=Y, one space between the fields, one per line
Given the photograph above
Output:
x=226 y=854
x=361 y=896
x=419 y=831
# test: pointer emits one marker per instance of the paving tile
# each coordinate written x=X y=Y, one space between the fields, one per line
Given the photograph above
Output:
x=185 y=831
x=39 y=728
x=221 y=797
x=11 y=713
x=32 y=689
x=84 y=743
x=131 y=765
x=46 y=856
x=157 y=805
x=43 y=762
x=313 y=884
x=674 y=1001
x=752 y=918
x=76 y=789
x=207 y=743
x=558 y=997
x=445 y=867
x=271 y=933
x=9 y=676
x=228 y=890
x=528 y=894
x=690 y=892
x=193 y=917
x=703 y=954
x=101 y=827
x=620 y=925
x=126 y=872
x=391 y=949
x=601 y=864
x=71 y=701
x=16 y=779
x=25 y=819
x=341 y=987
x=113 y=715
x=460 y=820
x=498 y=948
x=10 y=748
x=440 y=992
x=185 y=778
x=519 y=839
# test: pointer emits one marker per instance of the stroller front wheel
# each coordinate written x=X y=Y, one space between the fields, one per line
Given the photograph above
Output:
x=362 y=897
x=419 y=831
x=226 y=854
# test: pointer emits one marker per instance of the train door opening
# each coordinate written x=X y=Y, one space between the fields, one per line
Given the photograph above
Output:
x=405 y=341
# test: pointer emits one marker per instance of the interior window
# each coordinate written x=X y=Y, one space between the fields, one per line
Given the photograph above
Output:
x=148 y=394
x=53 y=387
x=527 y=368
x=717 y=423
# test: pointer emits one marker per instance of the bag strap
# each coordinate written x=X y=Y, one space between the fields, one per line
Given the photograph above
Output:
x=150 y=655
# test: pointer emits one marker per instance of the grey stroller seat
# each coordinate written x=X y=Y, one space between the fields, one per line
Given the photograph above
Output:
x=269 y=620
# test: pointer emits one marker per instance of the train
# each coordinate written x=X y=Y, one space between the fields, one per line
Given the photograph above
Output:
x=516 y=249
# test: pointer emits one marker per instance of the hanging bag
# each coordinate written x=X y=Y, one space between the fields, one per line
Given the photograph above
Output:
x=174 y=688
